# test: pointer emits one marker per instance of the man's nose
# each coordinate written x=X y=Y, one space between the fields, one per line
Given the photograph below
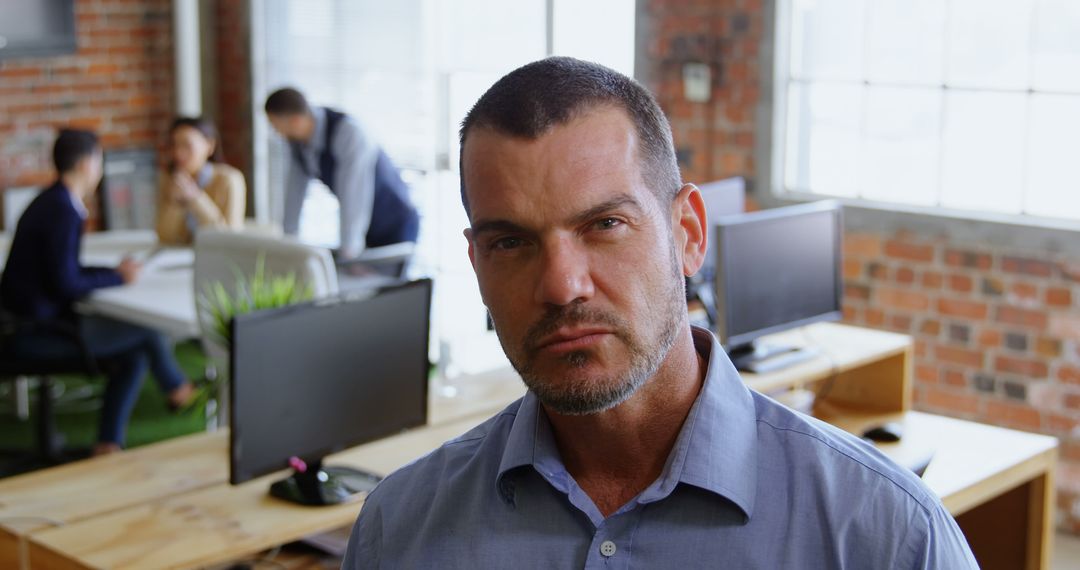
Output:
x=564 y=273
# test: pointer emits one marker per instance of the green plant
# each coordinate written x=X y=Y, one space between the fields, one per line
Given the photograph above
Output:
x=261 y=291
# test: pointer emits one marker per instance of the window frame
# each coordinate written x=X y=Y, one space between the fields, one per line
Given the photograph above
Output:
x=1020 y=230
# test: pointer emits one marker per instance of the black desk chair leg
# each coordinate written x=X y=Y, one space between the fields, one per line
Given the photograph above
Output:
x=50 y=441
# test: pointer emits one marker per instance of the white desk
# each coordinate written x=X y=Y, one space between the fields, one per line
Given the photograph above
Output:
x=162 y=298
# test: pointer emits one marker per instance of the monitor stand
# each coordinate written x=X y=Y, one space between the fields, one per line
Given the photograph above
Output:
x=316 y=485
x=760 y=358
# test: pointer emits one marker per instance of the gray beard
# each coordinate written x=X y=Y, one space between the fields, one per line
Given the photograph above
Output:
x=601 y=394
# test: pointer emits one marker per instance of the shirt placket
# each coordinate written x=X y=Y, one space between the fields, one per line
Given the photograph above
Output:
x=611 y=545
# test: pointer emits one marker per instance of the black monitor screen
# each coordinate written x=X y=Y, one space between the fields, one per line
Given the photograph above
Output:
x=316 y=378
x=777 y=269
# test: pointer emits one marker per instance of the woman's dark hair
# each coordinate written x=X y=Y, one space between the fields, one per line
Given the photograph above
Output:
x=71 y=146
x=206 y=128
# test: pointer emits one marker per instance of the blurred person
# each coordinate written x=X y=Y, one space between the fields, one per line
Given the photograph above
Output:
x=199 y=189
x=331 y=146
x=43 y=279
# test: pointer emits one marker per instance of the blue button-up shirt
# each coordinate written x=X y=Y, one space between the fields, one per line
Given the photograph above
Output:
x=748 y=484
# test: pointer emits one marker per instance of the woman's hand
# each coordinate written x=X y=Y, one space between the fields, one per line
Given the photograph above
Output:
x=184 y=188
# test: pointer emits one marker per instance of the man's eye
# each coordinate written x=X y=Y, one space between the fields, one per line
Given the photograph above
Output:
x=608 y=223
x=506 y=244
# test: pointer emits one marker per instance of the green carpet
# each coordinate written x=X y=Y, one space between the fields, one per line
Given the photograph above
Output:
x=151 y=420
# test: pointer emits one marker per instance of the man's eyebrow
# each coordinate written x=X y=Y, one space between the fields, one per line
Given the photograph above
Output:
x=485 y=226
x=622 y=200
x=501 y=225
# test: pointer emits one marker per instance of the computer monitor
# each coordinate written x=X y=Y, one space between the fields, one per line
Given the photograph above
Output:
x=776 y=269
x=722 y=198
x=312 y=379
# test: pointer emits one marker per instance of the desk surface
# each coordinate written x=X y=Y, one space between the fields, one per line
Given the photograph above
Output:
x=219 y=522
x=162 y=298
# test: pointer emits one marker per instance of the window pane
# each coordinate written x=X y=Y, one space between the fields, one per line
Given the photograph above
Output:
x=1053 y=173
x=1055 y=58
x=490 y=35
x=988 y=43
x=823 y=138
x=901 y=148
x=983 y=151
x=906 y=41
x=827 y=39
x=577 y=34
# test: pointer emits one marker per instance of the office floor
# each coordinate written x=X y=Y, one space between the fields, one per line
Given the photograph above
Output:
x=1066 y=552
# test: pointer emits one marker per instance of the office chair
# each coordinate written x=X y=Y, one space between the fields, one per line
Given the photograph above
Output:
x=14 y=366
x=223 y=256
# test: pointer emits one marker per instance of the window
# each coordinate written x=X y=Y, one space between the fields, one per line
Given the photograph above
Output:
x=409 y=71
x=970 y=105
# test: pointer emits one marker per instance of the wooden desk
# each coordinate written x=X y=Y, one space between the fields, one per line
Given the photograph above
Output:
x=77 y=491
x=85 y=490
x=997 y=481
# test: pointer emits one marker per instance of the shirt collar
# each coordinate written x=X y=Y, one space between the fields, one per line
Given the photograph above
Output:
x=318 y=135
x=76 y=203
x=204 y=175
x=715 y=449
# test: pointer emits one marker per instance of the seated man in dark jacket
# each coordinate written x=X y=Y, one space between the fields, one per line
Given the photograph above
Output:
x=43 y=279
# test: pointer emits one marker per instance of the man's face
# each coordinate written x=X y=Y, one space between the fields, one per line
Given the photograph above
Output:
x=575 y=259
x=289 y=126
x=92 y=168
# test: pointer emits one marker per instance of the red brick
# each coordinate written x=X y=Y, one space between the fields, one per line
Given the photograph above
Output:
x=904 y=275
x=874 y=317
x=966 y=309
x=852 y=268
x=1021 y=317
x=909 y=251
x=1069 y=374
x=1072 y=401
x=1059 y=424
x=989 y=338
x=1022 y=366
x=926 y=373
x=1027 y=266
x=956 y=355
x=851 y=314
x=961 y=258
x=1058 y=297
x=954 y=378
x=931 y=279
x=949 y=400
x=902 y=298
x=930 y=327
x=1048 y=347
x=1022 y=291
x=856 y=292
x=961 y=283
x=1012 y=415
x=901 y=323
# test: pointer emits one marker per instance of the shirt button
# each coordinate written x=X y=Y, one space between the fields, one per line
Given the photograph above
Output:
x=607 y=548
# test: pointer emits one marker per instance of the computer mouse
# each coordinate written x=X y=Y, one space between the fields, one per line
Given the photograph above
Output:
x=885 y=433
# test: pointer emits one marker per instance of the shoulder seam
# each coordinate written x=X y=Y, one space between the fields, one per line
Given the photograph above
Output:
x=925 y=508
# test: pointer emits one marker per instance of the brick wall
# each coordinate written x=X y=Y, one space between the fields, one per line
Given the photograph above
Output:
x=714 y=139
x=997 y=331
x=118 y=83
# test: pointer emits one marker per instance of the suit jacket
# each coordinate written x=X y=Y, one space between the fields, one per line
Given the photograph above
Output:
x=43 y=278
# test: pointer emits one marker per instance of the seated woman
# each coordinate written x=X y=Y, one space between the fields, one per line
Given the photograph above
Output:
x=199 y=190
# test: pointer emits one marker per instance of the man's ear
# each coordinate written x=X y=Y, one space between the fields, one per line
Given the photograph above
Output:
x=689 y=220
x=472 y=255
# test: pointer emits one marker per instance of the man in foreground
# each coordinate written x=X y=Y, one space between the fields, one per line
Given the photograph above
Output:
x=637 y=444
